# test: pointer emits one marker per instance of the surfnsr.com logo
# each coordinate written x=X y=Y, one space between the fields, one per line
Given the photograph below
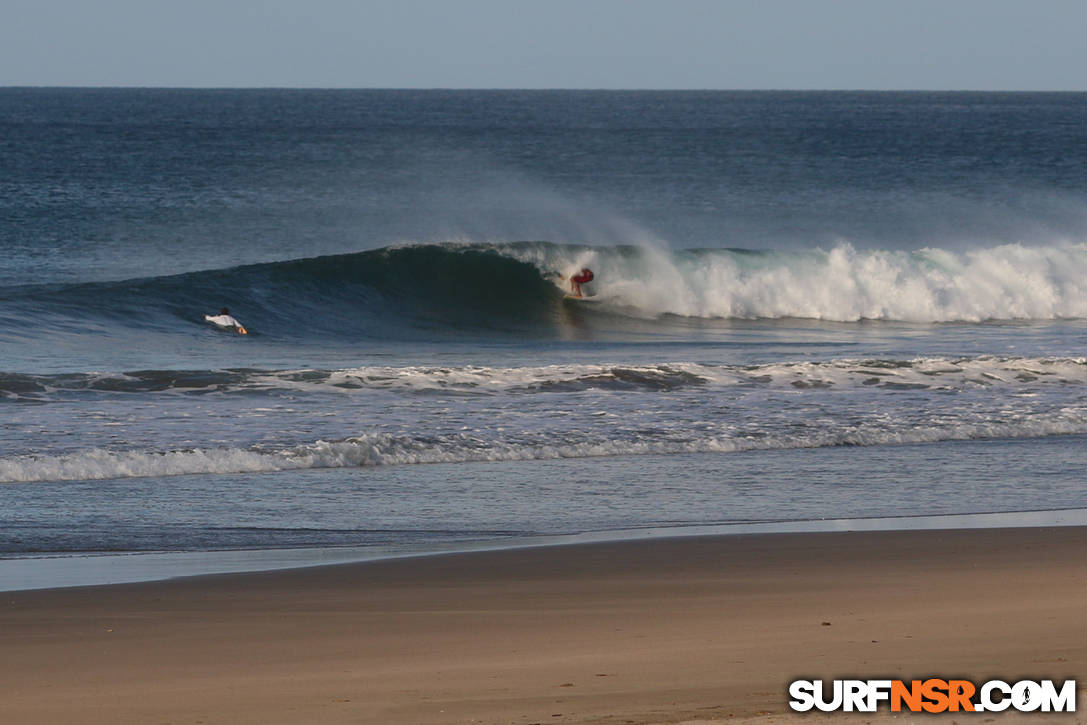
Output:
x=932 y=695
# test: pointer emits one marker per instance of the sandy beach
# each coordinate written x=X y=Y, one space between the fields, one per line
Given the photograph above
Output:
x=656 y=631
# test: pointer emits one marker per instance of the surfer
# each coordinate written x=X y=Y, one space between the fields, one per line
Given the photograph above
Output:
x=224 y=320
x=582 y=277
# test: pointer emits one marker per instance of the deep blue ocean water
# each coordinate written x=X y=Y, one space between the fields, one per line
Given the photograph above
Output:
x=806 y=305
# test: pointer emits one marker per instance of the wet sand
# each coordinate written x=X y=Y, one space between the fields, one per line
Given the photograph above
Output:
x=666 y=630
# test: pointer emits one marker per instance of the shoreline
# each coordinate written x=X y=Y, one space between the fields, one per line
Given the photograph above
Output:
x=660 y=630
x=79 y=569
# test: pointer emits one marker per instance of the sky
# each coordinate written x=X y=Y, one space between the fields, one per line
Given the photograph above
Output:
x=627 y=44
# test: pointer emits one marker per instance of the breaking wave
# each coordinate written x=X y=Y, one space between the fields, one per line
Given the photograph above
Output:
x=841 y=284
x=494 y=289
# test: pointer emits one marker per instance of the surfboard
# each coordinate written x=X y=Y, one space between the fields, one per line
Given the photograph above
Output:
x=586 y=298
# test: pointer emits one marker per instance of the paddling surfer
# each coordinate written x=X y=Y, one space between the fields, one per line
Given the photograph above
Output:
x=224 y=320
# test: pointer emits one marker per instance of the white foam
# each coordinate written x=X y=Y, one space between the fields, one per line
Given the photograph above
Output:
x=472 y=378
x=942 y=373
x=939 y=372
x=385 y=449
x=1011 y=281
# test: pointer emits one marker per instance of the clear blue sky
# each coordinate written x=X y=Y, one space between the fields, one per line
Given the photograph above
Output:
x=726 y=44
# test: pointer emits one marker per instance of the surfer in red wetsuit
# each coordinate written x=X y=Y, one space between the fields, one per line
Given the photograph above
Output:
x=585 y=275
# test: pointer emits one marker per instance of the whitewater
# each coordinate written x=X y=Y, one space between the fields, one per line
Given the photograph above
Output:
x=517 y=414
x=842 y=283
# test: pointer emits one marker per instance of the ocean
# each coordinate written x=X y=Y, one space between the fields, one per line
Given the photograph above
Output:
x=806 y=306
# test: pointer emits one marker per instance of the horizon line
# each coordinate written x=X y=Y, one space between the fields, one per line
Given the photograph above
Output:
x=16 y=86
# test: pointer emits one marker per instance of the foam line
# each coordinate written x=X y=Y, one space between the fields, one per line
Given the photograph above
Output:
x=385 y=450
